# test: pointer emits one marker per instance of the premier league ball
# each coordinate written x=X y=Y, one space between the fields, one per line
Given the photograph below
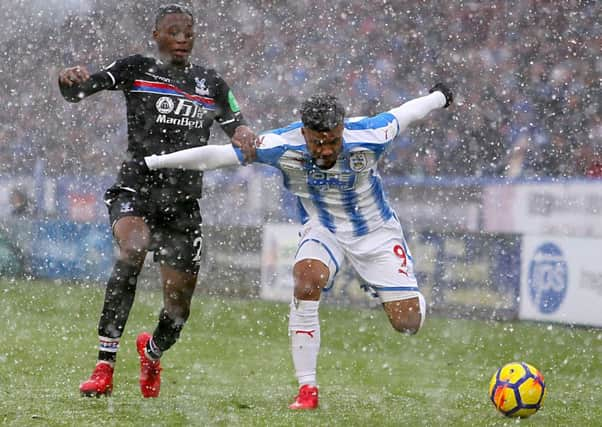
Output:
x=517 y=389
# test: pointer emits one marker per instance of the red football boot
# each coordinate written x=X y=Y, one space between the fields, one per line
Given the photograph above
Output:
x=306 y=399
x=100 y=382
x=150 y=370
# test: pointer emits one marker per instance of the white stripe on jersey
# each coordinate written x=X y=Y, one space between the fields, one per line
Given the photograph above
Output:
x=111 y=76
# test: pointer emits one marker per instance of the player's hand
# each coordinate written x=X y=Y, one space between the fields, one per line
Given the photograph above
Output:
x=73 y=76
x=245 y=139
x=449 y=96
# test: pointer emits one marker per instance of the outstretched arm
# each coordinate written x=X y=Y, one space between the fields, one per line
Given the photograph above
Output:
x=416 y=109
x=76 y=83
x=199 y=158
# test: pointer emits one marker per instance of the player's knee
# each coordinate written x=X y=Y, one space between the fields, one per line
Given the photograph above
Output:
x=307 y=291
x=133 y=238
x=310 y=277
x=407 y=316
x=133 y=252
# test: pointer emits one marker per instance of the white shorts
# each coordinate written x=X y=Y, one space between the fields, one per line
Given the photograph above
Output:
x=381 y=258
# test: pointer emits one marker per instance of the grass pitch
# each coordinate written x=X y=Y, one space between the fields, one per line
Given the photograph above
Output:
x=232 y=366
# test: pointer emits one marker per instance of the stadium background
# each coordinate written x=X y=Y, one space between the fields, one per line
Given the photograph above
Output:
x=525 y=131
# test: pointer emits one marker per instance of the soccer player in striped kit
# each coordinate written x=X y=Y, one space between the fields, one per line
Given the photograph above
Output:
x=171 y=105
x=330 y=164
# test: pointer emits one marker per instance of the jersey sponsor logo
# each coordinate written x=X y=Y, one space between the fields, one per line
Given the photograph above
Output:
x=190 y=114
x=164 y=105
x=326 y=180
x=358 y=162
x=179 y=121
x=201 y=87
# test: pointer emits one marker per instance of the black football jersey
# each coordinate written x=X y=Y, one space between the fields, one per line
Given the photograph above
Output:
x=168 y=109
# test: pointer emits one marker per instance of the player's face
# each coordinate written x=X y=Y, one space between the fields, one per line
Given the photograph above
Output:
x=175 y=37
x=324 y=147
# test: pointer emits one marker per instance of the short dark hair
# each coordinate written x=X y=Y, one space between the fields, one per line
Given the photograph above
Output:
x=322 y=112
x=168 y=9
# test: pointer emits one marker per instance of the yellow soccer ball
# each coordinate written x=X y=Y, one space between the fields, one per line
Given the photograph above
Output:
x=517 y=389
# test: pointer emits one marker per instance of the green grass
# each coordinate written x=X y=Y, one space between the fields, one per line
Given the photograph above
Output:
x=233 y=367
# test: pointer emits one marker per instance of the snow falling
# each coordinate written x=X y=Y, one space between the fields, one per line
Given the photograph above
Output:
x=518 y=153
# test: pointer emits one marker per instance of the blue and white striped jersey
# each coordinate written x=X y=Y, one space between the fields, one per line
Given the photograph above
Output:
x=349 y=197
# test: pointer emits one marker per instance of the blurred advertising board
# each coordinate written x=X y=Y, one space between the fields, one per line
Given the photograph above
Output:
x=71 y=250
x=279 y=245
x=11 y=260
x=572 y=209
x=460 y=274
x=561 y=280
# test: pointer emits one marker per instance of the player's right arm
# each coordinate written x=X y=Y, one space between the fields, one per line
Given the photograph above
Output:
x=76 y=83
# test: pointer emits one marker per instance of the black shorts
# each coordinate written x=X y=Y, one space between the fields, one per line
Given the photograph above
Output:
x=176 y=236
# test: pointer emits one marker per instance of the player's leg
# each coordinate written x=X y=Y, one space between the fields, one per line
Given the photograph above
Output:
x=178 y=288
x=406 y=315
x=179 y=256
x=384 y=262
x=315 y=266
x=132 y=236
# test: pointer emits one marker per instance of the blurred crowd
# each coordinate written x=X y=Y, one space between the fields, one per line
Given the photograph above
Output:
x=526 y=75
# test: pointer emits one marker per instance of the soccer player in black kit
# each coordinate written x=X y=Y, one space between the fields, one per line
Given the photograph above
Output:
x=171 y=104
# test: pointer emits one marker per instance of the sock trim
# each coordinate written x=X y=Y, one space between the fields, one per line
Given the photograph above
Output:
x=109 y=345
x=152 y=351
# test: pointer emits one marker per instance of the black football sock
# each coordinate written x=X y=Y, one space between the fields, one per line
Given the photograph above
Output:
x=119 y=297
x=166 y=334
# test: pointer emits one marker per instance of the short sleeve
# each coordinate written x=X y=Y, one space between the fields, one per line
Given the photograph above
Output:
x=270 y=149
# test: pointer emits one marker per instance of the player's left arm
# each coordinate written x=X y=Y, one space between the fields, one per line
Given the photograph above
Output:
x=269 y=150
x=233 y=123
x=204 y=158
x=440 y=96
x=76 y=83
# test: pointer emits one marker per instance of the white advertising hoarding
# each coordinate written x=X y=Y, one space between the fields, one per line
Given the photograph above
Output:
x=572 y=209
x=277 y=257
x=561 y=280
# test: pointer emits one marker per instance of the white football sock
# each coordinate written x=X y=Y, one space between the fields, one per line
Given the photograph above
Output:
x=304 y=330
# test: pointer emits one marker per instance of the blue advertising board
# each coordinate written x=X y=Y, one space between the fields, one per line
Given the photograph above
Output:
x=71 y=250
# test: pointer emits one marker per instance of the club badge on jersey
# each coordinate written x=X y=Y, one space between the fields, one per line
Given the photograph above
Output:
x=201 y=87
x=358 y=162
